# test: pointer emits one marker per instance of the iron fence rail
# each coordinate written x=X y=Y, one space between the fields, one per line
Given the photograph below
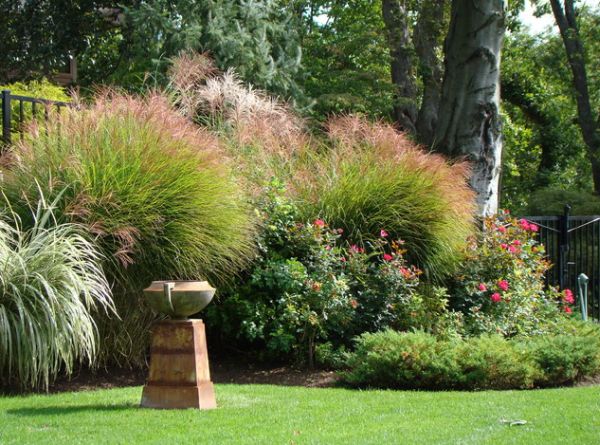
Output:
x=10 y=124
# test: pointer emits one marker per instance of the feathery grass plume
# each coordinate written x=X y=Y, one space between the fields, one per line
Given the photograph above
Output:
x=374 y=178
x=51 y=286
x=155 y=192
x=261 y=132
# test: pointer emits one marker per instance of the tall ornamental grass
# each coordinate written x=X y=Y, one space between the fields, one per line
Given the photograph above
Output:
x=374 y=179
x=51 y=284
x=154 y=191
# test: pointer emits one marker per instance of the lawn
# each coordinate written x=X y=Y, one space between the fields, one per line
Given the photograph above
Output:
x=265 y=414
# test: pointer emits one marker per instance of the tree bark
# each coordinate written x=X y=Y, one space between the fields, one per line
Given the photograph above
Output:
x=469 y=123
x=590 y=126
x=396 y=19
x=428 y=33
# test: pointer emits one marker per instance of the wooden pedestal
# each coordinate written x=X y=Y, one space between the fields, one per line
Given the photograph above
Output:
x=179 y=376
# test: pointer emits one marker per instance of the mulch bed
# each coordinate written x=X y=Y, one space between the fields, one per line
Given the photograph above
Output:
x=222 y=371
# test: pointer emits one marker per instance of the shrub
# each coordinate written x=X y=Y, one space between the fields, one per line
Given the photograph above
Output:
x=154 y=192
x=391 y=359
x=374 y=178
x=500 y=285
x=310 y=286
x=491 y=362
x=568 y=357
x=51 y=283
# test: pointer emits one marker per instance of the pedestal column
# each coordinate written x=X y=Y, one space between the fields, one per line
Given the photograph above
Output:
x=179 y=375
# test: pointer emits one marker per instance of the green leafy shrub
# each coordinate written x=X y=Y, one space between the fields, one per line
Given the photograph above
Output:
x=310 y=286
x=500 y=284
x=374 y=179
x=154 y=192
x=391 y=359
x=36 y=88
x=552 y=200
x=51 y=285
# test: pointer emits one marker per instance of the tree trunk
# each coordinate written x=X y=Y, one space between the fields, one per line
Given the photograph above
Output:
x=395 y=16
x=469 y=123
x=428 y=32
x=567 y=24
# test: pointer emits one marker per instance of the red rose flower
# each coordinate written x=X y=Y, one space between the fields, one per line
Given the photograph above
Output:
x=387 y=257
x=568 y=310
x=496 y=297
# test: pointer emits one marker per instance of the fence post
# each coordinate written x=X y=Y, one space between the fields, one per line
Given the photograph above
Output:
x=6 y=117
x=563 y=248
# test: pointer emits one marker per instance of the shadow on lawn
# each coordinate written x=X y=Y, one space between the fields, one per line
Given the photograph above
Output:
x=60 y=410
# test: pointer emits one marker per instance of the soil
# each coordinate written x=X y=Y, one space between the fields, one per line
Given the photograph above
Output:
x=222 y=371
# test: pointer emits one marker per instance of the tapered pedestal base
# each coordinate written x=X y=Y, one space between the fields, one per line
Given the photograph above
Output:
x=179 y=375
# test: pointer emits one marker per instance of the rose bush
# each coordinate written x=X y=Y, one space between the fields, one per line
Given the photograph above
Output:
x=500 y=286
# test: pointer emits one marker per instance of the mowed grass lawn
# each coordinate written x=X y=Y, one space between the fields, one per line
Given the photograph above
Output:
x=265 y=414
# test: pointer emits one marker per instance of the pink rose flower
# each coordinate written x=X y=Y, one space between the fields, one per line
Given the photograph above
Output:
x=516 y=242
x=319 y=223
x=503 y=246
x=524 y=224
x=482 y=287
x=512 y=249
x=501 y=229
x=496 y=297
x=533 y=227
x=503 y=284
x=568 y=296
x=568 y=310
x=384 y=234
x=387 y=257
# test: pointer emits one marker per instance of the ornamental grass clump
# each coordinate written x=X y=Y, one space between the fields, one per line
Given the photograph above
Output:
x=154 y=192
x=374 y=178
x=51 y=286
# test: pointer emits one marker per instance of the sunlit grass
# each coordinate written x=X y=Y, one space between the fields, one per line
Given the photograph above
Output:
x=254 y=414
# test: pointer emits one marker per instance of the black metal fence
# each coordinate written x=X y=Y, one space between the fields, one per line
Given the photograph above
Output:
x=15 y=108
x=573 y=245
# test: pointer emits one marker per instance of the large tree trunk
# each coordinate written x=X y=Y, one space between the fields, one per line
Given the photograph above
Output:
x=469 y=123
x=395 y=16
x=567 y=24
x=428 y=33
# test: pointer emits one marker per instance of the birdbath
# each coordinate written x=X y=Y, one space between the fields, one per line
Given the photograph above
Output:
x=179 y=376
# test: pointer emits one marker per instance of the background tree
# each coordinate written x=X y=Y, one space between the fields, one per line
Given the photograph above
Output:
x=469 y=125
x=565 y=14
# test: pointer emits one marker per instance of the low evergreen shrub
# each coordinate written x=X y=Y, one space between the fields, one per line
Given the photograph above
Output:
x=391 y=359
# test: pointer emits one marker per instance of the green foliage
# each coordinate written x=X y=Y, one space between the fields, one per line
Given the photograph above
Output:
x=152 y=191
x=375 y=179
x=257 y=38
x=51 y=285
x=309 y=287
x=390 y=359
x=551 y=201
x=346 y=58
x=500 y=285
